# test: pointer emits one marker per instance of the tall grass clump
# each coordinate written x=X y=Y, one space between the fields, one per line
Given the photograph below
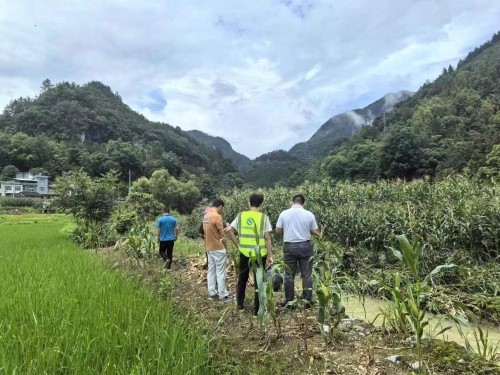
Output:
x=63 y=311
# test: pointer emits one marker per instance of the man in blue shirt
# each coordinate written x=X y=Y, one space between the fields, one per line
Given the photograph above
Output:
x=167 y=234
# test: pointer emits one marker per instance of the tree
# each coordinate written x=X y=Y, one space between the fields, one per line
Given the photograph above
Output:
x=179 y=195
x=90 y=200
x=9 y=172
x=492 y=168
x=402 y=154
x=46 y=85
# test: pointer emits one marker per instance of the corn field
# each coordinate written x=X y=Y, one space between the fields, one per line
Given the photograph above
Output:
x=457 y=215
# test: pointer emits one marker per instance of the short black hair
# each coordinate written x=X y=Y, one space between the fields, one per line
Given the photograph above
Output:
x=256 y=200
x=298 y=198
x=166 y=209
x=218 y=203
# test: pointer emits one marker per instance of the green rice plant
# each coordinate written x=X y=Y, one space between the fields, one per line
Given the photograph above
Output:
x=67 y=312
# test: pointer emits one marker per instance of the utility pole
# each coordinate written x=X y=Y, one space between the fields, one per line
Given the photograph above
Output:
x=129 y=178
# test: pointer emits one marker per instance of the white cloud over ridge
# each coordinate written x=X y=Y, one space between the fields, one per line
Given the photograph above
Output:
x=263 y=74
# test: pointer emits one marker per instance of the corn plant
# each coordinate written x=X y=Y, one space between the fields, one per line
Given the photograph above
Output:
x=264 y=285
x=326 y=287
x=260 y=283
x=406 y=312
x=450 y=215
x=140 y=241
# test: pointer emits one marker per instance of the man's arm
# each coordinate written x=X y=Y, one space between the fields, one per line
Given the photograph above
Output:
x=314 y=228
x=229 y=230
x=269 y=247
x=177 y=231
x=223 y=238
x=279 y=225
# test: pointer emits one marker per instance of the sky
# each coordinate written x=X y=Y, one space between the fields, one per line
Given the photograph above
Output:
x=263 y=74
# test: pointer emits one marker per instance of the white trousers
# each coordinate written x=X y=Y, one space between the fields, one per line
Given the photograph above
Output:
x=216 y=275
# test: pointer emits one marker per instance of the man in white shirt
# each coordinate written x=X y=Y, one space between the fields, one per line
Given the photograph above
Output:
x=297 y=224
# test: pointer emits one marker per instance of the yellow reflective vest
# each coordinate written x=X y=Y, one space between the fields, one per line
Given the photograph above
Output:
x=252 y=224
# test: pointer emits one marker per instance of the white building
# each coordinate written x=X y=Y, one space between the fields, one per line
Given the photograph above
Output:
x=26 y=185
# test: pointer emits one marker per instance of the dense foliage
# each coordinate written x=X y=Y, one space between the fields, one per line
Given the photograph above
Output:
x=272 y=168
x=70 y=126
x=453 y=216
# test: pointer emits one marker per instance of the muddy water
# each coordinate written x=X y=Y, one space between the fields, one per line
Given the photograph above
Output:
x=354 y=308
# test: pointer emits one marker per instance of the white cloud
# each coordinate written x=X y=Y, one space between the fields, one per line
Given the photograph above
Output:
x=263 y=74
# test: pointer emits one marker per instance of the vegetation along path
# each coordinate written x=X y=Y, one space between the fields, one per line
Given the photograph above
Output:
x=292 y=343
x=64 y=311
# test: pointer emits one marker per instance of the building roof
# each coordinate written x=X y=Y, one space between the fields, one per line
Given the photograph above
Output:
x=29 y=194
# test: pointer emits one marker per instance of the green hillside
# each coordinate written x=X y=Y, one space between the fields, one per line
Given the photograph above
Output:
x=238 y=159
x=344 y=125
x=69 y=126
x=450 y=125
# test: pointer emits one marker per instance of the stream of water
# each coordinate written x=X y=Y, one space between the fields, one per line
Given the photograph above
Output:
x=355 y=309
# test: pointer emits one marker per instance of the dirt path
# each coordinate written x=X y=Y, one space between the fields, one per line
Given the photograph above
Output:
x=295 y=346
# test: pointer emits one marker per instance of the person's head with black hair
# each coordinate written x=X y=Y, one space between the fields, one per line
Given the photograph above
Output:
x=218 y=204
x=256 y=200
x=298 y=199
x=166 y=209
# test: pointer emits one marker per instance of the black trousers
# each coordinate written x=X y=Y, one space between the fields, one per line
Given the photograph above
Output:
x=166 y=251
x=245 y=265
x=298 y=256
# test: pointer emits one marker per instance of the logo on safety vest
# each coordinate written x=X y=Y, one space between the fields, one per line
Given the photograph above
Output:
x=250 y=221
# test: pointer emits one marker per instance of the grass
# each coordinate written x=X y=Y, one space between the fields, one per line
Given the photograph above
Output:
x=63 y=311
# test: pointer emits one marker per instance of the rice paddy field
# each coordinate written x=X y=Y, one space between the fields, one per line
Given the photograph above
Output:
x=64 y=311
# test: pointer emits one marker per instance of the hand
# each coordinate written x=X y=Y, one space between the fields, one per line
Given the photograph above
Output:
x=270 y=260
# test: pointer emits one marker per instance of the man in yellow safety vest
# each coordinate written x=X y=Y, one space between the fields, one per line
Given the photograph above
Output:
x=254 y=234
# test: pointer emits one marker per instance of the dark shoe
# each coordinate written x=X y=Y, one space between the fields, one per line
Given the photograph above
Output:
x=168 y=263
x=287 y=304
x=227 y=298
x=213 y=297
x=240 y=308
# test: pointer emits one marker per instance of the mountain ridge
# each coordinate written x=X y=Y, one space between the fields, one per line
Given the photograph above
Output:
x=240 y=160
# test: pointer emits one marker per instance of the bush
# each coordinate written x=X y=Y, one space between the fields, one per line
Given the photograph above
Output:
x=122 y=218
x=20 y=202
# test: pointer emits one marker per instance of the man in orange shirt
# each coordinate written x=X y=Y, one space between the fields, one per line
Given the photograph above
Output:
x=215 y=245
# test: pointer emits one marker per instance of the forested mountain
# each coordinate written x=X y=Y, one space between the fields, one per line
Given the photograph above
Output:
x=273 y=168
x=238 y=159
x=290 y=168
x=344 y=126
x=69 y=126
x=450 y=125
